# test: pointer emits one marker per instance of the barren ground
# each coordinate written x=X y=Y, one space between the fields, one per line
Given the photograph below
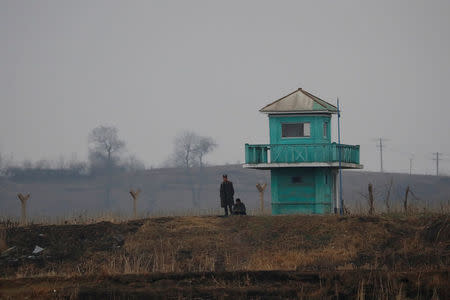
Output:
x=264 y=257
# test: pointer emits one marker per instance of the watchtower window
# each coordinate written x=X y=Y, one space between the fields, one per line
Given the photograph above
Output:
x=296 y=179
x=325 y=129
x=296 y=130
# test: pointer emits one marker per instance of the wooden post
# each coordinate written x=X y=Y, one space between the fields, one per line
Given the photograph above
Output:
x=135 y=195
x=371 y=207
x=23 y=201
x=387 y=201
x=261 y=189
x=405 y=202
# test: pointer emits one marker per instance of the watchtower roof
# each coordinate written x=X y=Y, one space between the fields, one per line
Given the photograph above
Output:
x=299 y=101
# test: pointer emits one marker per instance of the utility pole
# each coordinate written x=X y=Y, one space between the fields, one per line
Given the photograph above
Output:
x=381 y=154
x=341 y=200
x=410 y=165
x=437 y=159
x=380 y=146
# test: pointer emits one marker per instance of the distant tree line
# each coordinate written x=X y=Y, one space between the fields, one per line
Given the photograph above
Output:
x=190 y=149
x=107 y=157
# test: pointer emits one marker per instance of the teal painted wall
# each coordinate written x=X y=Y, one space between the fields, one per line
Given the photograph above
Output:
x=316 y=122
x=313 y=195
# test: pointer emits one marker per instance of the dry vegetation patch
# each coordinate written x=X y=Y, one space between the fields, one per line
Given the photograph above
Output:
x=237 y=243
x=238 y=257
x=360 y=284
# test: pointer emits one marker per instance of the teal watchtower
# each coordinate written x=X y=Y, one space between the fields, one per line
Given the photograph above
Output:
x=302 y=160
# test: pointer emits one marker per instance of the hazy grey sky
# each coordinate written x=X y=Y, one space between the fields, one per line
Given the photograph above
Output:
x=154 y=68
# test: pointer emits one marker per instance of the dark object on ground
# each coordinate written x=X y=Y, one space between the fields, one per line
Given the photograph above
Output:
x=239 y=208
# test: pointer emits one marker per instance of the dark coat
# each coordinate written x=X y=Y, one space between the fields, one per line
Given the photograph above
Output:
x=239 y=209
x=226 y=193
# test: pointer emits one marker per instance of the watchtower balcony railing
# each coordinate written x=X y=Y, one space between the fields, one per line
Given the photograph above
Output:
x=299 y=153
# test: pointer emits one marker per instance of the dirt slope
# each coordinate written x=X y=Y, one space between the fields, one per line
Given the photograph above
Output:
x=316 y=245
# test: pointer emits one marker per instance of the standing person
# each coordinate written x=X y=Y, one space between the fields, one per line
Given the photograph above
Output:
x=226 y=194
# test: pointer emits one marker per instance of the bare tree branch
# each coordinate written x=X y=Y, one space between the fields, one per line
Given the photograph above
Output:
x=203 y=147
x=190 y=149
x=104 y=145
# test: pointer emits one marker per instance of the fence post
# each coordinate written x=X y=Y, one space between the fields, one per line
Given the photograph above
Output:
x=23 y=201
x=135 y=195
x=371 y=206
x=261 y=189
x=405 y=202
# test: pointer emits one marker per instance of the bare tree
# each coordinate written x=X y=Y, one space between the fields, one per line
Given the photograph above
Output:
x=105 y=145
x=5 y=163
x=185 y=156
x=185 y=149
x=204 y=146
x=190 y=149
x=189 y=152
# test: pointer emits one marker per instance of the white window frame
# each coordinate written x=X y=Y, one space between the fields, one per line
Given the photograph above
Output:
x=306 y=130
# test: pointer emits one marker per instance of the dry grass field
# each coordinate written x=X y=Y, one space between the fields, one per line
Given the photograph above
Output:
x=373 y=257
